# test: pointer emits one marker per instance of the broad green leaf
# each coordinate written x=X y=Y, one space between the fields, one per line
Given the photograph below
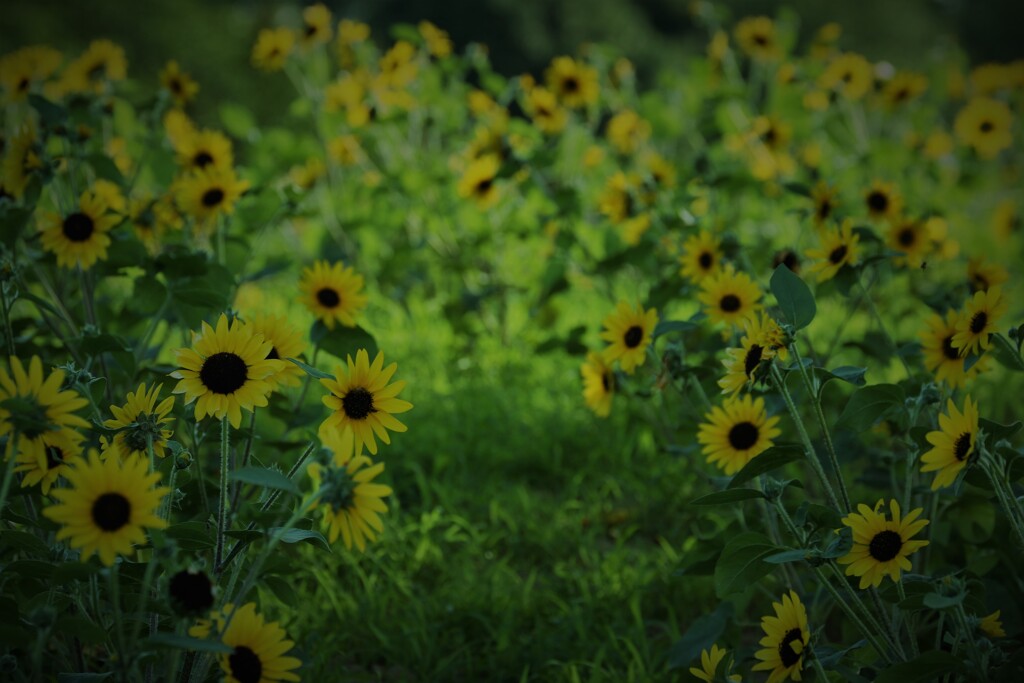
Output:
x=314 y=538
x=727 y=496
x=310 y=370
x=794 y=297
x=703 y=632
x=1007 y=354
x=785 y=556
x=771 y=459
x=742 y=563
x=267 y=478
x=869 y=404
x=177 y=641
x=343 y=341
x=928 y=666
x=667 y=326
x=191 y=535
x=936 y=601
x=996 y=431
x=847 y=373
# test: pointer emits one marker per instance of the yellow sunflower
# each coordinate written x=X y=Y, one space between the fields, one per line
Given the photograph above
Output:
x=478 y=182
x=984 y=125
x=904 y=87
x=982 y=275
x=1006 y=219
x=758 y=38
x=258 y=647
x=36 y=407
x=437 y=41
x=628 y=332
x=785 y=641
x=332 y=292
x=139 y=422
x=573 y=82
x=709 y=663
x=978 y=321
x=910 y=236
x=736 y=432
x=316 y=26
x=883 y=201
x=729 y=296
x=101 y=63
x=351 y=501
x=286 y=342
x=362 y=400
x=953 y=443
x=542 y=106
x=22 y=70
x=203 y=149
x=940 y=357
x=80 y=238
x=60 y=447
x=209 y=193
x=107 y=506
x=273 y=45
x=598 y=384
x=226 y=370
x=762 y=340
x=826 y=199
x=627 y=131
x=179 y=84
x=20 y=161
x=849 y=74
x=701 y=257
x=991 y=626
x=881 y=546
x=839 y=247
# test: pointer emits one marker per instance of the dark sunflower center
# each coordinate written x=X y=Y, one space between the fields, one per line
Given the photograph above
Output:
x=483 y=186
x=358 y=403
x=78 y=227
x=760 y=39
x=96 y=72
x=273 y=355
x=885 y=545
x=906 y=237
x=191 y=592
x=847 y=76
x=878 y=201
x=633 y=336
x=606 y=381
x=986 y=127
x=176 y=85
x=730 y=303
x=23 y=85
x=224 y=373
x=571 y=84
x=146 y=428
x=948 y=350
x=753 y=359
x=245 y=665
x=202 y=159
x=328 y=297
x=824 y=209
x=787 y=654
x=310 y=30
x=901 y=95
x=743 y=435
x=962 y=446
x=54 y=457
x=213 y=197
x=111 y=511
x=978 y=322
x=838 y=254
x=705 y=260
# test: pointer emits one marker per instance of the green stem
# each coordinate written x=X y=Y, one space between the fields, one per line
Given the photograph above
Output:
x=885 y=332
x=699 y=388
x=11 y=457
x=869 y=634
x=222 y=503
x=8 y=330
x=115 y=597
x=812 y=455
x=819 y=668
x=911 y=630
x=1006 y=497
x=140 y=349
x=972 y=643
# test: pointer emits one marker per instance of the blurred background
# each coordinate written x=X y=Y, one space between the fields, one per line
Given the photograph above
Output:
x=523 y=35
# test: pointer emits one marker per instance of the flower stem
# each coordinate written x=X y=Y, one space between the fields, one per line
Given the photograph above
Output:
x=11 y=457
x=8 y=330
x=222 y=503
x=115 y=597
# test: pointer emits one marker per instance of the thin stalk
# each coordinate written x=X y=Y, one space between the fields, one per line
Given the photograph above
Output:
x=972 y=643
x=140 y=348
x=8 y=330
x=819 y=668
x=245 y=460
x=868 y=634
x=911 y=630
x=222 y=503
x=885 y=332
x=890 y=630
x=10 y=456
x=115 y=597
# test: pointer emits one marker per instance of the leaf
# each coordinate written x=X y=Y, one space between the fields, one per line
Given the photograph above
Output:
x=666 y=326
x=105 y=168
x=701 y=635
x=310 y=370
x=1007 y=353
x=847 y=373
x=926 y=667
x=267 y=478
x=343 y=341
x=50 y=114
x=794 y=297
x=237 y=120
x=785 y=556
x=177 y=641
x=314 y=538
x=12 y=220
x=742 y=563
x=869 y=404
x=840 y=545
x=83 y=678
x=996 y=431
x=936 y=601
x=190 y=535
x=798 y=188
x=22 y=540
x=727 y=496
x=82 y=628
x=771 y=459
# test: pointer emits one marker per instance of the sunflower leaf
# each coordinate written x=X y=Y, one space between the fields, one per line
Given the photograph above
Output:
x=314 y=538
x=667 y=326
x=342 y=341
x=794 y=297
x=869 y=404
x=703 y=632
x=267 y=478
x=310 y=370
x=742 y=563
x=926 y=667
x=728 y=496
x=771 y=459
x=1006 y=353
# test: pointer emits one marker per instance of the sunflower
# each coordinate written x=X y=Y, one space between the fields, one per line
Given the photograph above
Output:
x=991 y=626
x=826 y=199
x=79 y=238
x=345 y=150
x=332 y=292
x=628 y=332
x=60 y=447
x=598 y=384
x=617 y=200
x=883 y=201
x=190 y=592
x=573 y=82
x=477 y=182
x=226 y=370
x=627 y=131
x=904 y=87
x=758 y=39
x=839 y=247
x=940 y=357
x=258 y=647
x=36 y=407
x=785 y=641
x=107 y=505
x=709 y=663
x=19 y=162
x=286 y=342
x=203 y=149
x=701 y=257
x=209 y=193
x=316 y=26
x=982 y=275
x=139 y=422
x=849 y=74
x=102 y=62
x=438 y=43
x=23 y=69
x=350 y=500
x=362 y=399
x=763 y=339
x=736 y=432
x=542 y=106
x=1006 y=219
x=729 y=296
x=978 y=320
x=149 y=219
x=953 y=443
x=881 y=546
x=660 y=170
x=273 y=45
x=910 y=236
x=181 y=87
x=984 y=125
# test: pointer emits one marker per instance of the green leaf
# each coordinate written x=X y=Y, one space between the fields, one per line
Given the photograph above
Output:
x=50 y=114
x=869 y=404
x=926 y=667
x=22 y=540
x=237 y=120
x=12 y=220
x=701 y=635
x=310 y=370
x=1007 y=353
x=82 y=628
x=936 y=601
x=177 y=641
x=742 y=563
x=840 y=545
x=102 y=343
x=798 y=188
x=727 y=496
x=343 y=341
x=106 y=168
x=267 y=478
x=785 y=556
x=83 y=678
x=190 y=535
x=666 y=326
x=771 y=459
x=794 y=297
x=997 y=431
x=314 y=538
x=847 y=373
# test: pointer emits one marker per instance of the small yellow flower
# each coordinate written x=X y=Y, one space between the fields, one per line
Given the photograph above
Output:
x=628 y=332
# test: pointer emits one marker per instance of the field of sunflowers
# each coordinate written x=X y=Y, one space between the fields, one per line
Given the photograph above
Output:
x=451 y=374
